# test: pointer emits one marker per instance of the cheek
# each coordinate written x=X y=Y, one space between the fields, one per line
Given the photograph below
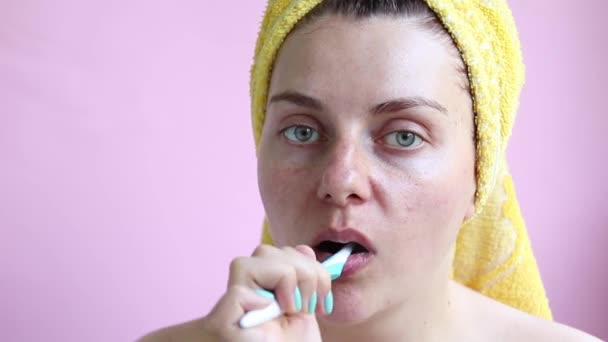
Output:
x=431 y=207
x=446 y=195
x=276 y=184
x=284 y=189
x=427 y=211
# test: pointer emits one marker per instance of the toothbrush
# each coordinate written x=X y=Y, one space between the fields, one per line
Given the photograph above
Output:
x=334 y=265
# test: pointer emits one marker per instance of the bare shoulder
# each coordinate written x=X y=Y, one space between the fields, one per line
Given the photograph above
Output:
x=557 y=332
x=185 y=332
x=504 y=323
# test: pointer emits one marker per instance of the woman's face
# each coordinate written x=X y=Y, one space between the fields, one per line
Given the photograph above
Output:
x=369 y=127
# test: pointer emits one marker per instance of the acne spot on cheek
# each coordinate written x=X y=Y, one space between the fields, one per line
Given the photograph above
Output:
x=287 y=173
x=286 y=181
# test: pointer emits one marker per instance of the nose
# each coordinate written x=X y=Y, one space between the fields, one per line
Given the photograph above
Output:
x=344 y=178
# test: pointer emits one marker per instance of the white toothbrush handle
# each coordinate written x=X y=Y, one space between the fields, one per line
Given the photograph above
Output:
x=256 y=317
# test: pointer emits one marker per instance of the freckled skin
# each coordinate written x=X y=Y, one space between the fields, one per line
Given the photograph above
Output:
x=409 y=201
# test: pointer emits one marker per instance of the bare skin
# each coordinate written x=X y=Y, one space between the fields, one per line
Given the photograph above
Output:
x=368 y=127
x=487 y=320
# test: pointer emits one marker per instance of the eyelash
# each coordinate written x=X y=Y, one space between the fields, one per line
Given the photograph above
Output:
x=418 y=140
x=289 y=134
x=291 y=131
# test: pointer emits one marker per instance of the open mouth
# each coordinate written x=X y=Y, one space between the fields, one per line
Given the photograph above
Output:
x=331 y=240
x=360 y=257
x=332 y=247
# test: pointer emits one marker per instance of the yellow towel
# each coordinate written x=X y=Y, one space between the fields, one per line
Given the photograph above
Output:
x=493 y=253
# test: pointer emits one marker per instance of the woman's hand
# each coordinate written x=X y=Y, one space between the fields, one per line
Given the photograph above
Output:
x=298 y=282
x=280 y=270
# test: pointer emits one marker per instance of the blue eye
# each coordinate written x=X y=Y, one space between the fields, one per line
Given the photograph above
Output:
x=301 y=134
x=403 y=139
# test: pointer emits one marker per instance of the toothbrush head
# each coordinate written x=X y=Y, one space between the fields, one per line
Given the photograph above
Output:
x=335 y=263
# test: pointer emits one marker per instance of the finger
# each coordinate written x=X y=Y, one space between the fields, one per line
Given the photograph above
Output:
x=304 y=261
x=234 y=304
x=323 y=281
x=275 y=274
x=324 y=278
x=307 y=278
x=264 y=250
x=307 y=251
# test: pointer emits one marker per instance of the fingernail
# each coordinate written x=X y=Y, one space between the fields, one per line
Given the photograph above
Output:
x=312 y=302
x=329 y=303
x=265 y=293
x=298 y=299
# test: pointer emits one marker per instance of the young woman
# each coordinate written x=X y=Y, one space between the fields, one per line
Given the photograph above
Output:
x=383 y=123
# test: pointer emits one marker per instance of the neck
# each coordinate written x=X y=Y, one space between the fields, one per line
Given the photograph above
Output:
x=425 y=315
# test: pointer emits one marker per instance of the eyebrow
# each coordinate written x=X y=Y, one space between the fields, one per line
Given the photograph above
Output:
x=298 y=99
x=405 y=103
x=391 y=106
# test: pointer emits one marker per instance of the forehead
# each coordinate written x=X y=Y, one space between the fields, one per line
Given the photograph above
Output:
x=367 y=59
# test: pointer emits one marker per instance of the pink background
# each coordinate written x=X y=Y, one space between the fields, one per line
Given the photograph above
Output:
x=127 y=168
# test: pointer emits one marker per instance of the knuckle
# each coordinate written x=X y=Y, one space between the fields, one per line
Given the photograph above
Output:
x=290 y=275
x=288 y=249
x=306 y=250
x=262 y=249
x=308 y=275
x=237 y=264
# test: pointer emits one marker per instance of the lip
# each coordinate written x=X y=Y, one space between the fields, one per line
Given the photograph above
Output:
x=355 y=262
x=344 y=235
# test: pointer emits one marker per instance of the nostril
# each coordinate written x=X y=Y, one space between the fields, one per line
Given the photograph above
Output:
x=354 y=197
x=343 y=199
